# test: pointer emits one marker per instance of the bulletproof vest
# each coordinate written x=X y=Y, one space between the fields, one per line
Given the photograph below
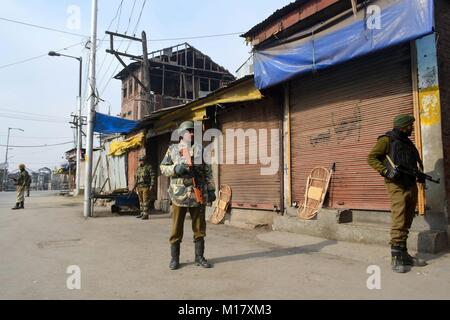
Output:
x=143 y=175
x=404 y=154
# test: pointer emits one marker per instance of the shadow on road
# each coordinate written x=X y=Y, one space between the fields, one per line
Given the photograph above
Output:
x=276 y=253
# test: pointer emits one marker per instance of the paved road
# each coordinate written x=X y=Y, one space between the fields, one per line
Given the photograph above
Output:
x=126 y=258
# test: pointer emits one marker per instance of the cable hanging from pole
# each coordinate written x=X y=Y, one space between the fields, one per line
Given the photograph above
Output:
x=38 y=146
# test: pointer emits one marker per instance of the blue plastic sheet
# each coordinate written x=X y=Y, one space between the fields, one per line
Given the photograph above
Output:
x=110 y=125
x=400 y=21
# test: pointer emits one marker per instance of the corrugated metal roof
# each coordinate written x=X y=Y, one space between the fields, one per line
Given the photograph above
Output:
x=159 y=113
x=155 y=60
x=196 y=106
x=275 y=16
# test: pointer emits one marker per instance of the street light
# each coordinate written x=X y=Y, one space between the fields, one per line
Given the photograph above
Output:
x=80 y=59
x=5 y=178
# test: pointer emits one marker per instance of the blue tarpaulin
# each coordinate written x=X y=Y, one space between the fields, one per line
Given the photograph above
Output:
x=383 y=24
x=111 y=125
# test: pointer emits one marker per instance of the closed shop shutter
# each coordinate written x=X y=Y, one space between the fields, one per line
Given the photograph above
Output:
x=337 y=116
x=251 y=190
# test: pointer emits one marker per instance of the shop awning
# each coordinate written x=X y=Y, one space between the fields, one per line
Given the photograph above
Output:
x=110 y=125
x=239 y=91
x=383 y=24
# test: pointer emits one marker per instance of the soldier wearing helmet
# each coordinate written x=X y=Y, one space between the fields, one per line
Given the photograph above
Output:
x=144 y=184
x=191 y=187
x=21 y=185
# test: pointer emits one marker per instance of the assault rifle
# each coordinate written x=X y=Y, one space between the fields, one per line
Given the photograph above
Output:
x=414 y=172
x=197 y=191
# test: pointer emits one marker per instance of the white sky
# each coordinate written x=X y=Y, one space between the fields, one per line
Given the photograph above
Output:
x=45 y=89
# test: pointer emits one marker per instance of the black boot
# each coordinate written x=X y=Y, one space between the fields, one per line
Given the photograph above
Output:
x=398 y=263
x=16 y=207
x=199 y=251
x=140 y=216
x=175 y=253
x=412 y=261
x=22 y=206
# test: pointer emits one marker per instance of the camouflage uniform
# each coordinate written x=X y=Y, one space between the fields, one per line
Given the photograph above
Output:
x=21 y=185
x=181 y=189
x=181 y=192
x=145 y=181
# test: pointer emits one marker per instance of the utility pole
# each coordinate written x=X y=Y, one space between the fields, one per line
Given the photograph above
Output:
x=145 y=83
x=150 y=109
x=5 y=180
x=78 y=121
x=91 y=115
x=79 y=137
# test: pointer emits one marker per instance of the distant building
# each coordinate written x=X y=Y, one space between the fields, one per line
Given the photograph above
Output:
x=178 y=74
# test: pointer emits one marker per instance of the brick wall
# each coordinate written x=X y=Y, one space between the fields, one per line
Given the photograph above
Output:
x=443 y=30
x=130 y=102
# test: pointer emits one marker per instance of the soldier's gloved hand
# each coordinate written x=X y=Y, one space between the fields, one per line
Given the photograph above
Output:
x=211 y=196
x=390 y=173
x=181 y=169
x=421 y=179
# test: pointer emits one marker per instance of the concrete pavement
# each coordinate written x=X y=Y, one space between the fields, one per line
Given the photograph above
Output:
x=122 y=257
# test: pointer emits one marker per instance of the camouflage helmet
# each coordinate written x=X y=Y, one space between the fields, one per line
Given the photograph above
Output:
x=186 y=126
x=21 y=166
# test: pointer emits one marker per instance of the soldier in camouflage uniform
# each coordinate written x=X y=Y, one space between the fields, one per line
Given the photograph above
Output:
x=145 y=181
x=181 y=192
x=21 y=185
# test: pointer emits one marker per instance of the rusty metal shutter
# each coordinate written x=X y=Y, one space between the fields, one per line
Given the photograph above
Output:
x=337 y=115
x=251 y=190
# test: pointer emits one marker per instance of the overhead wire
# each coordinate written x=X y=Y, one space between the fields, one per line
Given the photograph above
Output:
x=129 y=44
x=38 y=146
x=39 y=56
x=117 y=15
x=32 y=114
x=26 y=118
x=105 y=75
x=198 y=37
x=102 y=40
x=42 y=27
x=36 y=138
x=119 y=9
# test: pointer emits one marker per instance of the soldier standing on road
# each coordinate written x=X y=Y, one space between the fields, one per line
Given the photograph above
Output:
x=21 y=184
x=396 y=146
x=185 y=182
x=145 y=181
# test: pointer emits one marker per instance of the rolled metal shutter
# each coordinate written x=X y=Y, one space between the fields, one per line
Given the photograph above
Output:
x=337 y=116
x=251 y=190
